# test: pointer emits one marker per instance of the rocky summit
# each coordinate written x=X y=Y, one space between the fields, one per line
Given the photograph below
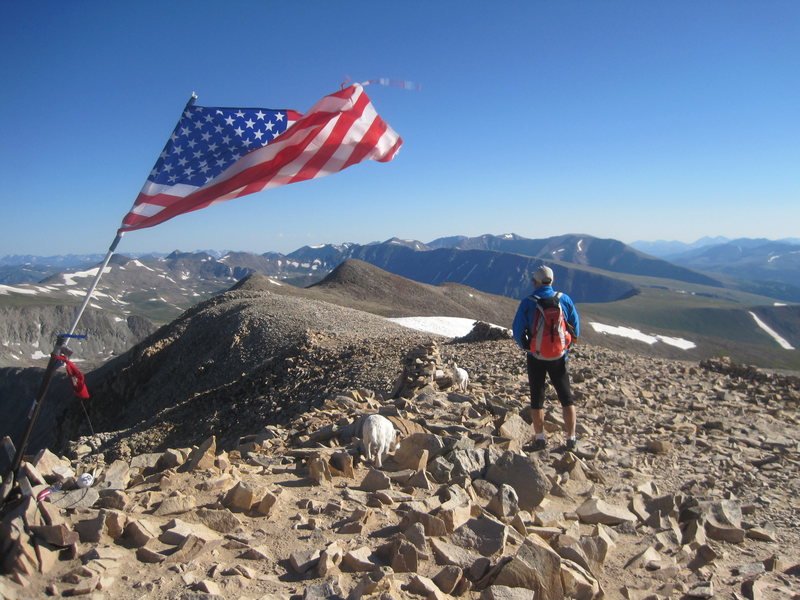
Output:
x=684 y=483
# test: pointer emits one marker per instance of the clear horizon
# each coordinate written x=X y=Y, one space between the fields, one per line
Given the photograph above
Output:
x=624 y=120
x=794 y=240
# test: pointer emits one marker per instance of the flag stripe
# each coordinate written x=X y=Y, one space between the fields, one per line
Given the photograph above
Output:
x=341 y=130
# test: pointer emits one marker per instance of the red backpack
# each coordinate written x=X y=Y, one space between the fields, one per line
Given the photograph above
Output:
x=550 y=337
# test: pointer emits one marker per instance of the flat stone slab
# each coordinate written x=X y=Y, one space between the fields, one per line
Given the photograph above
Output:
x=595 y=510
x=80 y=498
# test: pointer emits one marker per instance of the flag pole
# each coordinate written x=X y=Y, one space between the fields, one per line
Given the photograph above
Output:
x=53 y=364
x=61 y=340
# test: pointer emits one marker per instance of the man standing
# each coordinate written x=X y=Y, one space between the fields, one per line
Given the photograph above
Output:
x=545 y=325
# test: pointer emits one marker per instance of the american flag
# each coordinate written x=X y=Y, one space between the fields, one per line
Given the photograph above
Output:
x=217 y=154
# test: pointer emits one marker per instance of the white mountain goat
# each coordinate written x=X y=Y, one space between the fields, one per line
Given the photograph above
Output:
x=378 y=437
x=460 y=378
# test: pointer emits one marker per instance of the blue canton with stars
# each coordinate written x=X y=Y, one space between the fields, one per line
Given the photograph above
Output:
x=208 y=140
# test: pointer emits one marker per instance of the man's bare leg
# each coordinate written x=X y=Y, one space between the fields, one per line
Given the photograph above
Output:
x=570 y=418
x=537 y=419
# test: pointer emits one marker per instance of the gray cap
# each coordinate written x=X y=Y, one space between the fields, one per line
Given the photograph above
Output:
x=543 y=274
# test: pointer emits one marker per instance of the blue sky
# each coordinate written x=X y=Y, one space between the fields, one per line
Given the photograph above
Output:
x=628 y=120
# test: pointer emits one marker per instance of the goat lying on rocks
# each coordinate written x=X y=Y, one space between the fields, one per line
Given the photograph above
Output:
x=379 y=437
x=460 y=377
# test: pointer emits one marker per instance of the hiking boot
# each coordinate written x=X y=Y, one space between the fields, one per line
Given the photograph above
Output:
x=571 y=444
x=539 y=444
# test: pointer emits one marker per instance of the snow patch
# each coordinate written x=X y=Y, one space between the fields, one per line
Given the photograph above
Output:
x=7 y=289
x=775 y=335
x=446 y=326
x=635 y=334
x=69 y=278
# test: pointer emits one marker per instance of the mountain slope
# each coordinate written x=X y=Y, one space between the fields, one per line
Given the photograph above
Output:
x=493 y=272
x=760 y=260
x=360 y=284
x=585 y=250
x=27 y=334
x=664 y=249
x=236 y=359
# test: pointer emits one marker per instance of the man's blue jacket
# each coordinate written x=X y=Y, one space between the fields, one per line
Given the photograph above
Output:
x=523 y=321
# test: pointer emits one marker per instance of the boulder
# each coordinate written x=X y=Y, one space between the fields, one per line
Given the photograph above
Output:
x=524 y=475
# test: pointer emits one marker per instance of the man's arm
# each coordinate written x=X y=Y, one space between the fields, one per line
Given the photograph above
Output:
x=571 y=315
x=520 y=326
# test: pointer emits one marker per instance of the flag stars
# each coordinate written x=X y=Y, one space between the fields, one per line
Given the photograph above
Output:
x=211 y=139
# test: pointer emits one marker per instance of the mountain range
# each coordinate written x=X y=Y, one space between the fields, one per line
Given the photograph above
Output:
x=613 y=283
x=746 y=259
x=666 y=249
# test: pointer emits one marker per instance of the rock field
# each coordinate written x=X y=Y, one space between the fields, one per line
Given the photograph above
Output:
x=684 y=485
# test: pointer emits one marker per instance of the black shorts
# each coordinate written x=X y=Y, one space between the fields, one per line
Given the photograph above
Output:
x=557 y=370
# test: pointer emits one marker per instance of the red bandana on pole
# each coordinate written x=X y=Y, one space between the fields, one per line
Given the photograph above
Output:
x=217 y=154
x=75 y=377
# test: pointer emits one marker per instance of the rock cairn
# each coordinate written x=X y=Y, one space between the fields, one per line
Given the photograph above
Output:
x=682 y=487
